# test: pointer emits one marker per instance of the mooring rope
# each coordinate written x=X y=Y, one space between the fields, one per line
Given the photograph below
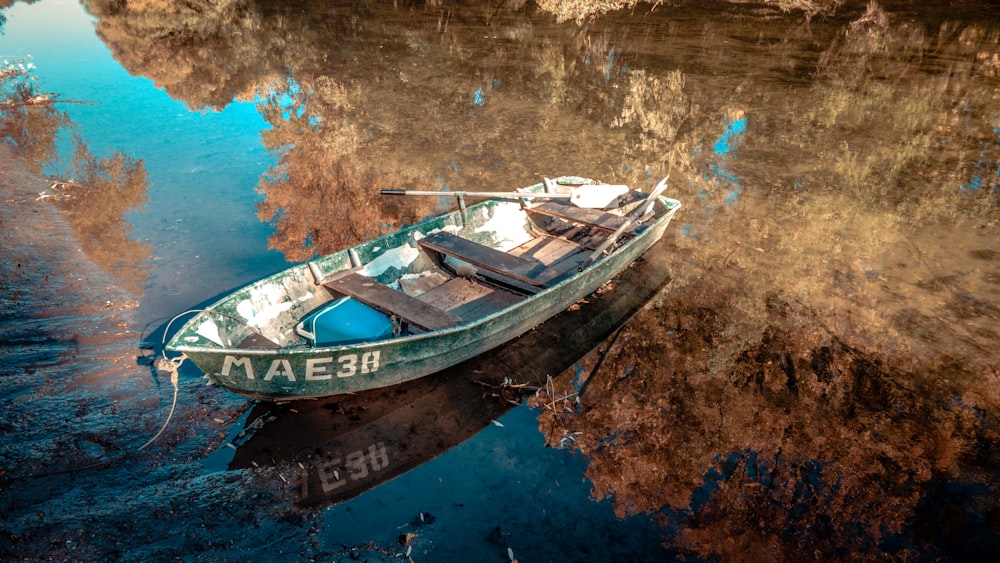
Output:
x=172 y=366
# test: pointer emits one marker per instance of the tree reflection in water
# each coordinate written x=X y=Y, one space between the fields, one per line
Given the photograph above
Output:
x=319 y=197
x=95 y=193
x=819 y=380
x=29 y=120
x=104 y=190
x=797 y=444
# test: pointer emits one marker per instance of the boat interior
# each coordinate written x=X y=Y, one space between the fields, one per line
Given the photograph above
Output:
x=463 y=280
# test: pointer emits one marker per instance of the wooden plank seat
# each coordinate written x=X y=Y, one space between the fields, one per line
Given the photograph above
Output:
x=391 y=302
x=524 y=270
x=582 y=216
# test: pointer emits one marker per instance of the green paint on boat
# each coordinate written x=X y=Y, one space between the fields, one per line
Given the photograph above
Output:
x=247 y=341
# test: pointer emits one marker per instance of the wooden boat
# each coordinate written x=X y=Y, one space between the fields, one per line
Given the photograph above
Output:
x=431 y=295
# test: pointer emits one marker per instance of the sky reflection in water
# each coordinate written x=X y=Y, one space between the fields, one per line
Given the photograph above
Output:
x=202 y=165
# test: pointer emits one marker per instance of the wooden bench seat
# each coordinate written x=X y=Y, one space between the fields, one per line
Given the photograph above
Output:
x=524 y=270
x=597 y=218
x=590 y=217
x=391 y=302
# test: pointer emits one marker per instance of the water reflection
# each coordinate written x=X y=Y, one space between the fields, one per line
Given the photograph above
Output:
x=332 y=450
x=821 y=382
x=203 y=53
x=94 y=193
x=820 y=379
x=29 y=120
x=378 y=95
x=823 y=334
x=95 y=202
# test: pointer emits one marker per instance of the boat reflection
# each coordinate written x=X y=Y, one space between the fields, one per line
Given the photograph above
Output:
x=337 y=448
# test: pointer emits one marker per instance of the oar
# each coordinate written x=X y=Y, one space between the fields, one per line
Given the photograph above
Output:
x=590 y=196
x=631 y=220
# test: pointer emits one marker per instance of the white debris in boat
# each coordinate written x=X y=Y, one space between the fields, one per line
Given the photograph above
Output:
x=399 y=258
x=210 y=330
x=453 y=229
x=265 y=304
x=507 y=226
x=416 y=275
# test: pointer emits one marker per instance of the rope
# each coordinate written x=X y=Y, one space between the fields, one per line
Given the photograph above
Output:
x=172 y=366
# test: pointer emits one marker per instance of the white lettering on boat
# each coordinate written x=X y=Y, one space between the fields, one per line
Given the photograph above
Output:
x=369 y=361
x=280 y=367
x=349 y=363
x=317 y=369
x=229 y=362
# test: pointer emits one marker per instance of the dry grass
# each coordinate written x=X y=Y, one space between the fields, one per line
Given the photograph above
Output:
x=583 y=10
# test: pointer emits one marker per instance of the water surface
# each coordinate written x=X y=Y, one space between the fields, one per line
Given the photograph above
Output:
x=817 y=379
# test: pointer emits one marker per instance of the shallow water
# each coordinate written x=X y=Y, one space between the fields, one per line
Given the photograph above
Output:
x=817 y=379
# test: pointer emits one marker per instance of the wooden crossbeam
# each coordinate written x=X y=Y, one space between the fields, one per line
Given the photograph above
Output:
x=590 y=217
x=524 y=270
x=391 y=302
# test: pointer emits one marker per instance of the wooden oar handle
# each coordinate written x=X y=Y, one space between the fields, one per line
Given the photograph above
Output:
x=590 y=196
x=516 y=195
